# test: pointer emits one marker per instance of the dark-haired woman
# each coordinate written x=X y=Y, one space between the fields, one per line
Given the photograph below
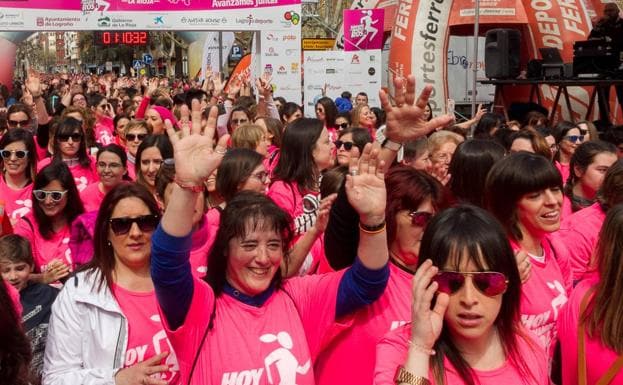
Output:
x=15 y=354
x=326 y=111
x=589 y=326
x=307 y=150
x=568 y=138
x=18 y=162
x=587 y=169
x=291 y=111
x=470 y=333
x=247 y=322
x=152 y=151
x=524 y=192
x=56 y=204
x=105 y=327
x=70 y=148
x=112 y=169
x=349 y=138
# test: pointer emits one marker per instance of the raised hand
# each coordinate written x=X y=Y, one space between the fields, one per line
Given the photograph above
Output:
x=523 y=265
x=195 y=157
x=324 y=209
x=141 y=373
x=54 y=271
x=365 y=186
x=405 y=120
x=263 y=85
x=33 y=84
x=426 y=323
x=151 y=87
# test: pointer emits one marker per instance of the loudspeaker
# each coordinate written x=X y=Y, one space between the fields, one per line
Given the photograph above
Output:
x=502 y=53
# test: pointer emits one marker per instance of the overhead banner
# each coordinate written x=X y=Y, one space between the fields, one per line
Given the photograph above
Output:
x=363 y=29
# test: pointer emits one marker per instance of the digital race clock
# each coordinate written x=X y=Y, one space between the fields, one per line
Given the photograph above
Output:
x=109 y=38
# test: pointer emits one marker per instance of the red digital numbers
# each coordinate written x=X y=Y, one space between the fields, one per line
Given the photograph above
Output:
x=122 y=37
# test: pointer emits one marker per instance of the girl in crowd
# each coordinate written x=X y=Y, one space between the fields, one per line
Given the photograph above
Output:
x=306 y=151
x=274 y=320
x=342 y=121
x=442 y=145
x=416 y=155
x=152 y=151
x=274 y=130
x=361 y=116
x=239 y=116
x=15 y=354
x=326 y=111
x=568 y=138
x=588 y=129
x=291 y=112
x=547 y=134
x=465 y=315
x=530 y=141
x=104 y=114
x=21 y=116
x=88 y=123
x=155 y=117
x=428 y=112
x=487 y=125
x=524 y=192
x=135 y=132
x=589 y=326
x=413 y=198
x=120 y=122
x=19 y=162
x=112 y=169
x=56 y=204
x=588 y=166
x=105 y=326
x=347 y=140
x=470 y=165
x=70 y=148
x=253 y=137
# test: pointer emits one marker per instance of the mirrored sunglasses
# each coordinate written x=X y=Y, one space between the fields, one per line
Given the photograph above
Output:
x=489 y=283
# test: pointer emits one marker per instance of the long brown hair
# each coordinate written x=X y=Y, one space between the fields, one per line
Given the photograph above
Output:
x=604 y=313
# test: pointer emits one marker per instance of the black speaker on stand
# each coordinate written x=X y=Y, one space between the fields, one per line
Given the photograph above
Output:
x=502 y=53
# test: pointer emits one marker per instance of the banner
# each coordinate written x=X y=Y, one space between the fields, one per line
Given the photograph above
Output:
x=461 y=70
x=281 y=58
x=491 y=12
x=363 y=29
x=390 y=11
x=211 y=50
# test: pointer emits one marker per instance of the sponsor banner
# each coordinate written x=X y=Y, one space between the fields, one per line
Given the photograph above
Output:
x=390 y=11
x=363 y=29
x=280 y=57
x=491 y=12
x=461 y=70
x=212 y=49
x=103 y=6
x=339 y=71
x=317 y=44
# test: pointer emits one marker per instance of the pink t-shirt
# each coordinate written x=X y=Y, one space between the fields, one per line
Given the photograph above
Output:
x=17 y=203
x=45 y=250
x=580 y=233
x=272 y=344
x=104 y=131
x=203 y=239
x=92 y=197
x=83 y=176
x=146 y=335
x=351 y=357
x=303 y=210
x=543 y=295
x=566 y=209
x=391 y=352
x=563 y=169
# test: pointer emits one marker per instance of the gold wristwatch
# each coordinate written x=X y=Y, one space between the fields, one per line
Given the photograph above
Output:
x=404 y=377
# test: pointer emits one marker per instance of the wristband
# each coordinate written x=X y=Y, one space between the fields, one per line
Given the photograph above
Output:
x=376 y=229
x=191 y=187
x=391 y=145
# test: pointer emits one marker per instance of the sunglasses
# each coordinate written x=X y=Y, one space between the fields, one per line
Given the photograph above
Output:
x=343 y=126
x=574 y=138
x=18 y=123
x=56 y=196
x=489 y=283
x=262 y=176
x=347 y=145
x=420 y=218
x=133 y=137
x=122 y=225
x=239 y=121
x=19 y=154
x=65 y=138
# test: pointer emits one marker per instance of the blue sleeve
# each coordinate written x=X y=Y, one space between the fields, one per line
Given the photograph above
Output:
x=360 y=286
x=172 y=276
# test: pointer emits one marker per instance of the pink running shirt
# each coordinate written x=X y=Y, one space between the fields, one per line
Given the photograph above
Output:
x=391 y=352
x=92 y=197
x=17 y=203
x=271 y=344
x=351 y=357
x=45 y=250
x=83 y=176
x=564 y=171
x=599 y=358
x=146 y=335
x=202 y=241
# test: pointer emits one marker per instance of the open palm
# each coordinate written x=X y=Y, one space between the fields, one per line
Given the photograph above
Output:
x=366 y=190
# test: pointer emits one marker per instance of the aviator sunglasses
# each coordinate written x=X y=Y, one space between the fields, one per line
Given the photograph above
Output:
x=122 y=225
x=489 y=283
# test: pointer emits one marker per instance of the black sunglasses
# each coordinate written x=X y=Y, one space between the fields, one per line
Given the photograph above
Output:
x=18 y=123
x=420 y=218
x=343 y=126
x=122 y=225
x=132 y=137
x=19 y=154
x=347 y=145
x=65 y=138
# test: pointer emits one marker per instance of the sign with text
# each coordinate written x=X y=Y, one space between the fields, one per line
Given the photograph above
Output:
x=363 y=29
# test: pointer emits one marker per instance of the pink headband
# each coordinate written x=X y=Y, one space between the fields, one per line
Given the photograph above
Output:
x=165 y=114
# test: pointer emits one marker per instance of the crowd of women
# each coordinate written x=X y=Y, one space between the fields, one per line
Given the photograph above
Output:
x=157 y=233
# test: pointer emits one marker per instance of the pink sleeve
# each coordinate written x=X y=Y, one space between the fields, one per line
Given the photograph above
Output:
x=23 y=228
x=562 y=257
x=391 y=352
x=283 y=195
x=140 y=111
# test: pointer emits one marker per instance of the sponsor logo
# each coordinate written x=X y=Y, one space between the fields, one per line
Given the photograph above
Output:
x=291 y=51
x=249 y=20
x=355 y=59
x=159 y=20
x=268 y=69
x=271 y=52
x=185 y=2
x=371 y=71
x=58 y=22
x=116 y=22
x=203 y=20
x=294 y=68
x=288 y=37
x=281 y=70
x=232 y=3
x=292 y=18
x=103 y=21
x=271 y=37
x=11 y=18
x=314 y=59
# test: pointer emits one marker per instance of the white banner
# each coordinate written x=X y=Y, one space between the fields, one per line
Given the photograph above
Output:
x=461 y=70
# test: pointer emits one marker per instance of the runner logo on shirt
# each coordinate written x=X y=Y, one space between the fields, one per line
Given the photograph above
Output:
x=280 y=365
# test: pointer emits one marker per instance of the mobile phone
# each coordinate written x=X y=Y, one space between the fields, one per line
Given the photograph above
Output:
x=450 y=107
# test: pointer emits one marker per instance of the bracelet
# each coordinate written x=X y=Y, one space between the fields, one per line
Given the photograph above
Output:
x=422 y=349
x=403 y=376
x=191 y=187
x=376 y=229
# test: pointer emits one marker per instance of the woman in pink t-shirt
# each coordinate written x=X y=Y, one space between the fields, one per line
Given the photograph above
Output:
x=589 y=326
x=568 y=138
x=112 y=170
x=47 y=228
x=588 y=166
x=18 y=162
x=151 y=153
x=104 y=114
x=70 y=147
x=247 y=324
x=524 y=191
x=306 y=152
x=105 y=326
x=465 y=315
